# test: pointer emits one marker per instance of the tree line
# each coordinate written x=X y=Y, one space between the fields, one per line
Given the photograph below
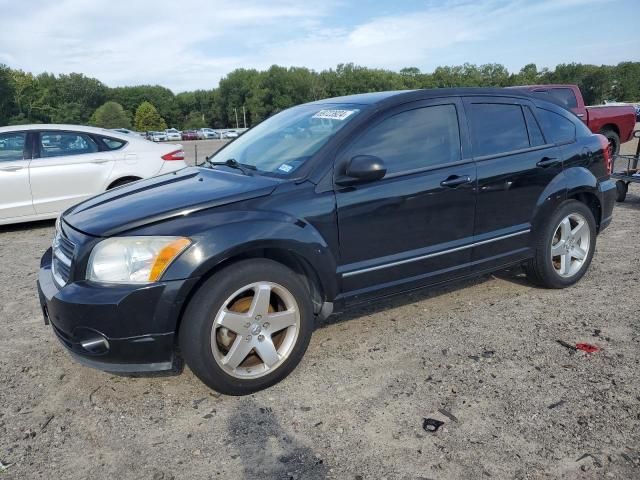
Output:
x=251 y=95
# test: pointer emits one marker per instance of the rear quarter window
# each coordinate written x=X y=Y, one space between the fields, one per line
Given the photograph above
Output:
x=113 y=143
x=556 y=128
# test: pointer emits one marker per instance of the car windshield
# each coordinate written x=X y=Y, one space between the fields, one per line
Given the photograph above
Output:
x=283 y=143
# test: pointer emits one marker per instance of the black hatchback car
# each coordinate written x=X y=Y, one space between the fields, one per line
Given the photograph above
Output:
x=320 y=207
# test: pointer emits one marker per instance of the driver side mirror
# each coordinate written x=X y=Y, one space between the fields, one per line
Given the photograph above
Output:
x=361 y=169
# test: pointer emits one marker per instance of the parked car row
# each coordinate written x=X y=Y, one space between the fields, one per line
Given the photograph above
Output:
x=173 y=134
x=211 y=134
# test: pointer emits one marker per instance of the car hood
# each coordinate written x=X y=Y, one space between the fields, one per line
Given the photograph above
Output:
x=148 y=201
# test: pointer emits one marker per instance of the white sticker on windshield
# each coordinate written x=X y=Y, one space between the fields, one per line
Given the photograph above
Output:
x=285 y=168
x=334 y=114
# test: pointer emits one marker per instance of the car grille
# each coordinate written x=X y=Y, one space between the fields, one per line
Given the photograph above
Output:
x=63 y=251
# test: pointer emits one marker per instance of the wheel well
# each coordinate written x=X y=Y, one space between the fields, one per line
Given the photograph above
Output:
x=591 y=201
x=122 y=181
x=612 y=127
x=295 y=262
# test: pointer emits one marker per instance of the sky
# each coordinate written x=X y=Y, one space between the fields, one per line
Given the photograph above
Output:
x=192 y=44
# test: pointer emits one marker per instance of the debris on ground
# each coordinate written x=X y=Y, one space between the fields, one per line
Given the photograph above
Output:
x=587 y=347
x=595 y=459
x=557 y=404
x=4 y=466
x=448 y=414
x=47 y=422
x=431 y=424
x=572 y=349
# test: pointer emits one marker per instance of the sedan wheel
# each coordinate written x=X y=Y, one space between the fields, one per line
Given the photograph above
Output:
x=570 y=245
x=255 y=330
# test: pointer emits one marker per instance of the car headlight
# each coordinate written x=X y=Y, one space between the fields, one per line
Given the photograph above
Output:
x=134 y=259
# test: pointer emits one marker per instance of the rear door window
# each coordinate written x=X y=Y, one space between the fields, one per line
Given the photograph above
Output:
x=535 y=134
x=497 y=128
x=58 y=144
x=12 y=146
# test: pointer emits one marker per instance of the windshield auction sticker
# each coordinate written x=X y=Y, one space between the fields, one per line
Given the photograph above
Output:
x=334 y=114
x=285 y=168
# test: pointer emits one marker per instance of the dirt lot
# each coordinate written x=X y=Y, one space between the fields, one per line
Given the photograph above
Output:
x=519 y=405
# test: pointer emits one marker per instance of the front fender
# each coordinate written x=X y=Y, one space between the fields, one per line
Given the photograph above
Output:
x=236 y=233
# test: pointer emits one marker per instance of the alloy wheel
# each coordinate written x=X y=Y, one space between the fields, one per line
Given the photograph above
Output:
x=255 y=330
x=570 y=245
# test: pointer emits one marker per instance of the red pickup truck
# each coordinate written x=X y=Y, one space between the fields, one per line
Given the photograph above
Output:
x=613 y=121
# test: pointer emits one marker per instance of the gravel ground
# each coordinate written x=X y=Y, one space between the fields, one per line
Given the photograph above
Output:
x=481 y=356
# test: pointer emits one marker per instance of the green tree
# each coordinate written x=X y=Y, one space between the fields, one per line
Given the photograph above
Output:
x=7 y=95
x=528 y=75
x=73 y=98
x=29 y=98
x=77 y=98
x=147 y=118
x=162 y=98
x=110 y=115
x=194 y=121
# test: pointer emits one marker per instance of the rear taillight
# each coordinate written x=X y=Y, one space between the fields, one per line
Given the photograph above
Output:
x=175 y=155
x=606 y=152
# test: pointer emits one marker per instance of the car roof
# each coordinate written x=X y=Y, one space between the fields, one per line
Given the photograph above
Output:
x=63 y=127
x=400 y=96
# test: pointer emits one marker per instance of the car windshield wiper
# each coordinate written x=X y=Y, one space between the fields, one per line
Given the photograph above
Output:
x=233 y=163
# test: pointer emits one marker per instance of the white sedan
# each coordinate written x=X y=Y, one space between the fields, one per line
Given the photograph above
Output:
x=45 y=169
x=157 y=136
x=173 y=134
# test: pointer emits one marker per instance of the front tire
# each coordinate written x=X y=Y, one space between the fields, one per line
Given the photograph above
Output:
x=564 y=247
x=247 y=327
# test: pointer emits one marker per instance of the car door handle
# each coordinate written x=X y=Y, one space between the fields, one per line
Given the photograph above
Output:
x=547 y=162
x=100 y=161
x=11 y=168
x=455 y=180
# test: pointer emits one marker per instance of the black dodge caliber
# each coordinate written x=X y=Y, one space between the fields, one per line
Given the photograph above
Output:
x=320 y=207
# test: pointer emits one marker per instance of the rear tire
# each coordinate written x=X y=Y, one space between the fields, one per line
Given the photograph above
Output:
x=614 y=140
x=569 y=234
x=234 y=345
x=621 y=190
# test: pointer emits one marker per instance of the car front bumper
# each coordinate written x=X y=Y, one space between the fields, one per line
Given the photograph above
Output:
x=116 y=328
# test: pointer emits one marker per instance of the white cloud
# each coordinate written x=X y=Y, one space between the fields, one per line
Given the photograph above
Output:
x=192 y=44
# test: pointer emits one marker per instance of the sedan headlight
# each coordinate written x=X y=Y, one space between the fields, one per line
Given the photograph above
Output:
x=134 y=259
